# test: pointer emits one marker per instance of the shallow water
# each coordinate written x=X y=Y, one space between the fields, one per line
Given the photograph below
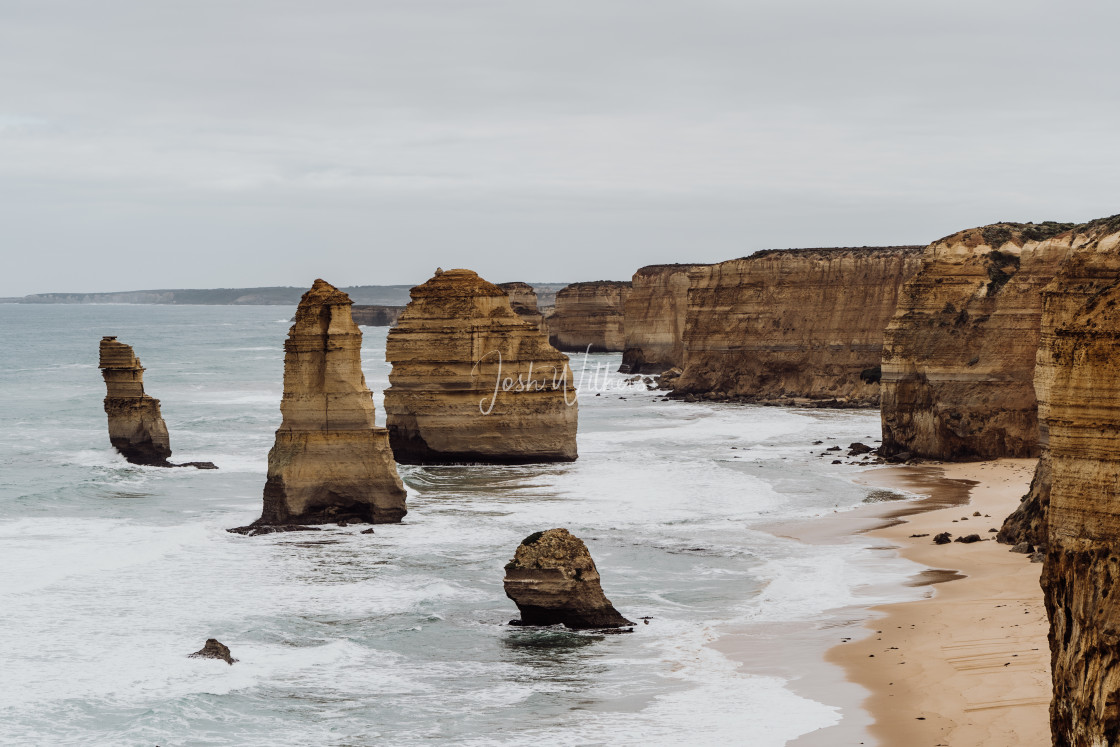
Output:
x=113 y=573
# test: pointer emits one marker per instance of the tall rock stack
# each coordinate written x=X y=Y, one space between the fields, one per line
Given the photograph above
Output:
x=590 y=315
x=136 y=427
x=789 y=325
x=330 y=462
x=655 y=314
x=473 y=382
x=523 y=301
x=959 y=354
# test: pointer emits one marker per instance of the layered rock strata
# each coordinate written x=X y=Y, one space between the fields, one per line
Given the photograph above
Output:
x=523 y=301
x=1078 y=360
x=553 y=580
x=959 y=354
x=136 y=427
x=654 y=319
x=330 y=461
x=792 y=326
x=375 y=316
x=473 y=382
x=590 y=315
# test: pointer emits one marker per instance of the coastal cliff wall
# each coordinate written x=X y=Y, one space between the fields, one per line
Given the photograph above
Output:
x=959 y=353
x=802 y=323
x=1078 y=361
x=590 y=314
x=655 y=313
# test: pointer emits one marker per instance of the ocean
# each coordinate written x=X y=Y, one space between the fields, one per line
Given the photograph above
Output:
x=113 y=573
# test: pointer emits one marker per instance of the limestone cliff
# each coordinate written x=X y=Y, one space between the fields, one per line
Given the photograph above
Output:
x=590 y=314
x=655 y=314
x=375 y=316
x=473 y=382
x=136 y=427
x=330 y=462
x=523 y=300
x=959 y=354
x=778 y=326
x=553 y=580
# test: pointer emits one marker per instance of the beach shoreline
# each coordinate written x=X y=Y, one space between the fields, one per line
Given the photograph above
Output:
x=966 y=664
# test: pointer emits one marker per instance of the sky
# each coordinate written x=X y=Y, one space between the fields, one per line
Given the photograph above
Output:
x=234 y=143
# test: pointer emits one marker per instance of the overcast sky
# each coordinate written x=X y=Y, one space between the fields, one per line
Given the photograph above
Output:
x=223 y=143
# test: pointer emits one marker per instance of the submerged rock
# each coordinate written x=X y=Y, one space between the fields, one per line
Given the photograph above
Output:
x=473 y=382
x=553 y=580
x=330 y=462
x=213 y=649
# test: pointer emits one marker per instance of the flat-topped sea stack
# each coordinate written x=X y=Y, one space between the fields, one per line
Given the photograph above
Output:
x=553 y=580
x=523 y=300
x=136 y=427
x=330 y=462
x=1078 y=365
x=375 y=316
x=655 y=315
x=590 y=315
x=959 y=354
x=795 y=326
x=473 y=382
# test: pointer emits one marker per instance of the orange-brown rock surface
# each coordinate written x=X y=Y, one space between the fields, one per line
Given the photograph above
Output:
x=523 y=301
x=785 y=325
x=136 y=427
x=959 y=354
x=473 y=382
x=591 y=315
x=553 y=580
x=1076 y=375
x=655 y=314
x=330 y=462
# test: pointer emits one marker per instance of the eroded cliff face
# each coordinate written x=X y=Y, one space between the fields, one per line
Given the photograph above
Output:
x=655 y=314
x=1078 y=360
x=553 y=580
x=136 y=427
x=473 y=382
x=523 y=301
x=959 y=354
x=590 y=314
x=330 y=462
x=375 y=316
x=779 y=326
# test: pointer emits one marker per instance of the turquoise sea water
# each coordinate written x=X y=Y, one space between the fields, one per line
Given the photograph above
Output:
x=112 y=573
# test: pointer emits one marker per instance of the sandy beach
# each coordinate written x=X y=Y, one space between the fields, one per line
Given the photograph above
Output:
x=968 y=664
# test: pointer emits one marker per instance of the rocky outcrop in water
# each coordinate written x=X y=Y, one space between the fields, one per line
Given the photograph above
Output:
x=375 y=316
x=590 y=314
x=213 y=649
x=793 y=325
x=959 y=354
x=330 y=462
x=1078 y=361
x=523 y=301
x=553 y=580
x=655 y=314
x=136 y=427
x=473 y=382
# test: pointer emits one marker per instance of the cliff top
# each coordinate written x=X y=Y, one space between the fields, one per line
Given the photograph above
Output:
x=996 y=235
x=831 y=251
x=679 y=266
x=324 y=294
x=456 y=284
x=591 y=284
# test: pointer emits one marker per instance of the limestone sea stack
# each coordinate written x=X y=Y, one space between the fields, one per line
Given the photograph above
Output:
x=136 y=427
x=1078 y=365
x=553 y=580
x=590 y=314
x=655 y=314
x=330 y=462
x=959 y=354
x=793 y=326
x=473 y=382
x=523 y=300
